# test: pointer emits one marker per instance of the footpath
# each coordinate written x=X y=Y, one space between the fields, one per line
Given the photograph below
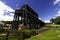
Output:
x=43 y=29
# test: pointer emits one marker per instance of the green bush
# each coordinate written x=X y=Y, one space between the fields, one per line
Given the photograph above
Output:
x=1 y=30
x=34 y=32
x=26 y=33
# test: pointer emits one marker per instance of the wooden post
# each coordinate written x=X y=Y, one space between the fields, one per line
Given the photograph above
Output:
x=7 y=35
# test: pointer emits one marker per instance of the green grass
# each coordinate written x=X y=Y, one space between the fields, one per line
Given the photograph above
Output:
x=51 y=34
x=52 y=25
x=10 y=37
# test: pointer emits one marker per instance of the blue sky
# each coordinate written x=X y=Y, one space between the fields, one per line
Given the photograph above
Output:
x=46 y=9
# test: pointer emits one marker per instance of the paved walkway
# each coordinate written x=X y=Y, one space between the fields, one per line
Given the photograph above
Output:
x=43 y=29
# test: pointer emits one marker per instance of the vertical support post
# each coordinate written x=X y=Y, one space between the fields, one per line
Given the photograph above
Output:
x=21 y=20
x=23 y=16
x=26 y=20
x=17 y=21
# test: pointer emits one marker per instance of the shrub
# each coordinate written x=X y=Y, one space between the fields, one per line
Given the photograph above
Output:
x=34 y=32
x=26 y=33
x=1 y=30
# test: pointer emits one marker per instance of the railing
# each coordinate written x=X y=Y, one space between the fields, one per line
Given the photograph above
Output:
x=11 y=36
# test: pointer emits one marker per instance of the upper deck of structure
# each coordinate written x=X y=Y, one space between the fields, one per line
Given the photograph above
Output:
x=27 y=8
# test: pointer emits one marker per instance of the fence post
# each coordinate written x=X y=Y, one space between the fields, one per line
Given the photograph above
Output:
x=7 y=36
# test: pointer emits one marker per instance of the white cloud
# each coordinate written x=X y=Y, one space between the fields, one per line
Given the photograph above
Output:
x=5 y=9
x=39 y=18
x=47 y=21
x=58 y=13
x=56 y=2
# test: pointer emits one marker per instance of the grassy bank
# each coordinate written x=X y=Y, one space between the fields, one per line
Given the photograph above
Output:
x=51 y=34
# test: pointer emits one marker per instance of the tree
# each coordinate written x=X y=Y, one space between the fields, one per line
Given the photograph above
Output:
x=7 y=22
x=56 y=20
x=41 y=23
x=52 y=20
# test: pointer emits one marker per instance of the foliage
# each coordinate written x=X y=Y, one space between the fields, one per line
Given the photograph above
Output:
x=34 y=32
x=26 y=33
x=29 y=33
x=56 y=20
x=42 y=23
x=1 y=29
x=7 y=22
x=52 y=20
x=51 y=34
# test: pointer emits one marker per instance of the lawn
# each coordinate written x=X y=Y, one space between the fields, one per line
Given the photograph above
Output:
x=51 y=34
x=52 y=25
x=10 y=37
